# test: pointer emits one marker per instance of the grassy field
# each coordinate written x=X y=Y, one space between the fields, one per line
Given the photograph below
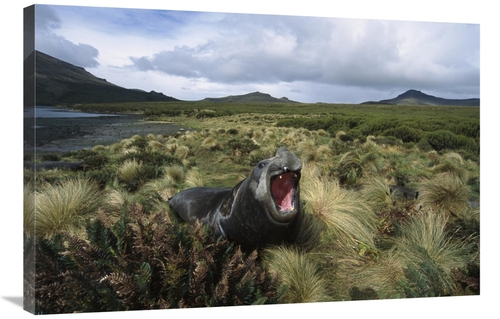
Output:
x=105 y=238
x=434 y=127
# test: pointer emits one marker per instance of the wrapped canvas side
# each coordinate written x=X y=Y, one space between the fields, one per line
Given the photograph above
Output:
x=29 y=153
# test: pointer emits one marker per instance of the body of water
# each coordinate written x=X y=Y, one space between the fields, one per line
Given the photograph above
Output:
x=54 y=112
x=51 y=129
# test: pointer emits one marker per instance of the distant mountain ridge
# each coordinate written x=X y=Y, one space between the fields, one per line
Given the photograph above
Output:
x=415 y=97
x=59 y=82
x=249 y=98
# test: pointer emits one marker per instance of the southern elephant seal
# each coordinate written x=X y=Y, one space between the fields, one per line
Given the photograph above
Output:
x=263 y=209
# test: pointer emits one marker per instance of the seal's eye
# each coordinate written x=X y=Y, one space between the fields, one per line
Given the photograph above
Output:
x=262 y=164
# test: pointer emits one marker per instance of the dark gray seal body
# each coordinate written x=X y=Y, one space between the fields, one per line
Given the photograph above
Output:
x=263 y=209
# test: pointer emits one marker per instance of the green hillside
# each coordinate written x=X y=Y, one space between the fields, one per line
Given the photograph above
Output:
x=61 y=83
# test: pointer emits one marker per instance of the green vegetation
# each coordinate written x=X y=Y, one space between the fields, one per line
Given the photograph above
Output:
x=143 y=261
x=64 y=207
x=299 y=276
x=435 y=127
x=386 y=194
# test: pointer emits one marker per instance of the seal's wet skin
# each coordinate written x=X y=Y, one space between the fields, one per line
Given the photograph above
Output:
x=263 y=209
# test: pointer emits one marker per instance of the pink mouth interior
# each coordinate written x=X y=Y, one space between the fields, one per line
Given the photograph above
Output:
x=282 y=191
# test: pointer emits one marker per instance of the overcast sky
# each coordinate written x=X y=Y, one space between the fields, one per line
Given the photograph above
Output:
x=192 y=55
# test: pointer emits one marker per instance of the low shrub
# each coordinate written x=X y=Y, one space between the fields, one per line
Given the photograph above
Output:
x=50 y=157
x=144 y=261
x=95 y=162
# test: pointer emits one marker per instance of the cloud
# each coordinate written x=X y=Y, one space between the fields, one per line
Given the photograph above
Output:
x=238 y=53
x=341 y=52
x=304 y=58
x=47 y=22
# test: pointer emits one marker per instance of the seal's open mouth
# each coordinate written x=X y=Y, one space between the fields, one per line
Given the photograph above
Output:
x=284 y=191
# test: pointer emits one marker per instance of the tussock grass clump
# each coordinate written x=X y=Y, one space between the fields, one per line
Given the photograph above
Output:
x=422 y=263
x=341 y=136
x=176 y=172
x=155 y=145
x=258 y=134
x=308 y=151
x=370 y=145
x=126 y=143
x=65 y=206
x=99 y=148
x=384 y=277
x=290 y=139
x=427 y=231
x=371 y=163
x=136 y=138
x=164 y=188
x=116 y=148
x=445 y=192
x=171 y=146
x=430 y=254
x=453 y=164
x=347 y=216
x=190 y=137
x=194 y=178
x=323 y=133
x=117 y=199
x=157 y=193
x=349 y=169
x=182 y=152
x=377 y=192
x=270 y=134
x=324 y=152
x=130 y=150
x=299 y=276
x=209 y=143
x=128 y=170
x=265 y=151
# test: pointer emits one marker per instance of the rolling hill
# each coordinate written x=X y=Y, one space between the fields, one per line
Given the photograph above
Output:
x=254 y=97
x=414 y=97
x=58 y=82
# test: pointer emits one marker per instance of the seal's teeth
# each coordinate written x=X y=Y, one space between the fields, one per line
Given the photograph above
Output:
x=281 y=177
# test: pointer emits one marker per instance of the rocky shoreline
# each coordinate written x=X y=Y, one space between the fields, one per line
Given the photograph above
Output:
x=70 y=134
